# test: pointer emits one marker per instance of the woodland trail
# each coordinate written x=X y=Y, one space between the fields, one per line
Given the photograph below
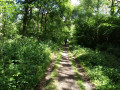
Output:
x=66 y=76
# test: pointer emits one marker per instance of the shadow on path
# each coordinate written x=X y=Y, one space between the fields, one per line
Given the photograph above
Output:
x=66 y=76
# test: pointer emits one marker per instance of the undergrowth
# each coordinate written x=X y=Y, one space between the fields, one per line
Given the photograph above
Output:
x=102 y=67
x=23 y=62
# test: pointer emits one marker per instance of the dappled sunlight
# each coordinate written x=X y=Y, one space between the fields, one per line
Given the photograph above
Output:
x=88 y=86
x=64 y=54
x=64 y=76
x=52 y=72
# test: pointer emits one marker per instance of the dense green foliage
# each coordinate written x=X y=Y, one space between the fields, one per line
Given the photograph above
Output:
x=102 y=67
x=41 y=19
x=97 y=26
x=31 y=31
x=24 y=62
x=94 y=26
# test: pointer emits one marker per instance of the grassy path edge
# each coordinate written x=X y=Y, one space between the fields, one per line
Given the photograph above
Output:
x=82 y=77
x=78 y=77
x=50 y=84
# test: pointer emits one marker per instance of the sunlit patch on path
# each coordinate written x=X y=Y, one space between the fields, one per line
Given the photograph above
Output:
x=66 y=76
x=61 y=75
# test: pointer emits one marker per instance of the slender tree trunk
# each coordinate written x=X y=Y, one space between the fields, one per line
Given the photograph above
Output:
x=46 y=22
x=25 y=19
x=31 y=12
x=4 y=28
x=98 y=6
x=4 y=22
x=42 y=22
x=112 y=7
x=38 y=18
x=118 y=11
x=2 y=45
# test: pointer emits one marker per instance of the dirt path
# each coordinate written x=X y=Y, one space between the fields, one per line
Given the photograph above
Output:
x=66 y=76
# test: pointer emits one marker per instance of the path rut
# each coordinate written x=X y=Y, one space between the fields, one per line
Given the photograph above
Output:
x=66 y=77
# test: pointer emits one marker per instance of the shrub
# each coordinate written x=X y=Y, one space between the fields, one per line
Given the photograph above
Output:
x=23 y=63
x=102 y=67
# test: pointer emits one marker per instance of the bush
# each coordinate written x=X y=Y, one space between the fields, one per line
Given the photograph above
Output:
x=109 y=48
x=23 y=63
x=102 y=67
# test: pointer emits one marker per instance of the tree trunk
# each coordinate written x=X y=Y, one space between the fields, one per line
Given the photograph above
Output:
x=38 y=18
x=25 y=19
x=45 y=21
x=97 y=34
x=30 y=12
x=42 y=21
x=112 y=7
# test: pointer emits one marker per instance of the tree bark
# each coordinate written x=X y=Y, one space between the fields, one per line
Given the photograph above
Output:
x=38 y=18
x=30 y=12
x=42 y=22
x=45 y=22
x=112 y=7
x=25 y=19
